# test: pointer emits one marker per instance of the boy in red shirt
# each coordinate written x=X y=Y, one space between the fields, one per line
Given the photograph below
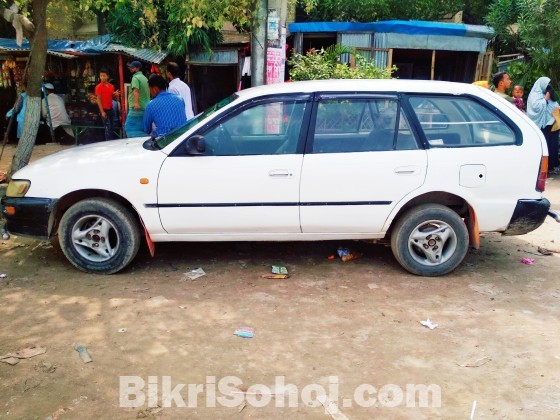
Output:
x=105 y=93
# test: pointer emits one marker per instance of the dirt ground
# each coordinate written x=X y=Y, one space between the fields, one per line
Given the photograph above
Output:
x=348 y=327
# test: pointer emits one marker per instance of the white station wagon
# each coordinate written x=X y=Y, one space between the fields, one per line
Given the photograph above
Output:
x=426 y=166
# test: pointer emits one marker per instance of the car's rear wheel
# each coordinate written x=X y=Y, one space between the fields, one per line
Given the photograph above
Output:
x=99 y=235
x=430 y=240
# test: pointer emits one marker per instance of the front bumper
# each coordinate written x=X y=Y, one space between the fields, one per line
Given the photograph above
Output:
x=527 y=216
x=31 y=216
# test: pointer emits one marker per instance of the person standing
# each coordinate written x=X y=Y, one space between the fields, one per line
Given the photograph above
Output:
x=166 y=111
x=57 y=114
x=138 y=98
x=178 y=87
x=502 y=82
x=19 y=111
x=105 y=92
x=540 y=104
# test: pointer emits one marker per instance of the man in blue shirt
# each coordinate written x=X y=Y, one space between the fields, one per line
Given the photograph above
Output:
x=165 y=112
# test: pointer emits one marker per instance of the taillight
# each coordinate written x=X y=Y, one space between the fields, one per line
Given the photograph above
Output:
x=541 y=181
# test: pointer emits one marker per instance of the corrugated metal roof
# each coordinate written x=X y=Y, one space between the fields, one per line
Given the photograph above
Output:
x=59 y=54
x=141 y=54
x=95 y=46
x=9 y=48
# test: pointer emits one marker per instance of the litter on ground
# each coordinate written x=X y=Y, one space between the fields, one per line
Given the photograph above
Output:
x=195 y=274
x=429 y=324
x=244 y=332
x=278 y=272
x=347 y=254
x=26 y=353
x=82 y=351
x=475 y=363
x=278 y=269
x=528 y=261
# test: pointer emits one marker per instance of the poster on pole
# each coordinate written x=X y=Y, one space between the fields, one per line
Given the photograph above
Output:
x=274 y=65
x=272 y=32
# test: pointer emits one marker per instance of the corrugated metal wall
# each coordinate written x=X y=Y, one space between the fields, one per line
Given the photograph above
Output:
x=359 y=40
x=217 y=57
x=381 y=58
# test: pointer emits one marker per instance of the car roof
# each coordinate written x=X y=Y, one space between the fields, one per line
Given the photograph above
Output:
x=364 y=85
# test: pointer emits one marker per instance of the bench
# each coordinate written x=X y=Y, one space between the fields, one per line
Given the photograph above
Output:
x=80 y=129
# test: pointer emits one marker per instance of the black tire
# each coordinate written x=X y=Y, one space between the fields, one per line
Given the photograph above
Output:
x=99 y=235
x=440 y=244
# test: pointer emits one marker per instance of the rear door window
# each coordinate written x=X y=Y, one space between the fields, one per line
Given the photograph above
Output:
x=361 y=125
x=460 y=122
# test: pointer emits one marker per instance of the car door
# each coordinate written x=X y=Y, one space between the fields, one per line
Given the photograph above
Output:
x=361 y=158
x=246 y=181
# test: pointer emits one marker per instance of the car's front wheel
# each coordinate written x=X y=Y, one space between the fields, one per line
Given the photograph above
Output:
x=99 y=235
x=430 y=240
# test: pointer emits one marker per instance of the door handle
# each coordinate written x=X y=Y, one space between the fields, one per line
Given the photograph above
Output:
x=280 y=173
x=406 y=170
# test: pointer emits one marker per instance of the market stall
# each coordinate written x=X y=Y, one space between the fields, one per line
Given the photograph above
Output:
x=73 y=69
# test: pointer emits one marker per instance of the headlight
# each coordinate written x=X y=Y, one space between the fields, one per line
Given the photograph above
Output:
x=18 y=187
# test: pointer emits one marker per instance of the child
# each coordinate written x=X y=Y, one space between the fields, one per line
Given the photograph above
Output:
x=517 y=94
x=105 y=93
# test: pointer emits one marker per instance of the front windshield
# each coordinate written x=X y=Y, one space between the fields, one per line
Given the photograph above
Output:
x=165 y=141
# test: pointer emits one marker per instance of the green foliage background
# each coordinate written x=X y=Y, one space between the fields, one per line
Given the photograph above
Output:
x=324 y=64
x=531 y=28
x=374 y=10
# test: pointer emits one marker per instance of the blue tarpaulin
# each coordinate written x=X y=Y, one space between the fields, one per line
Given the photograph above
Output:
x=408 y=27
x=96 y=46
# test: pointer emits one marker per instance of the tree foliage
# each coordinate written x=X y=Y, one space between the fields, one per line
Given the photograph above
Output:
x=325 y=64
x=475 y=11
x=65 y=15
x=528 y=27
x=503 y=16
x=374 y=10
x=538 y=29
x=175 y=25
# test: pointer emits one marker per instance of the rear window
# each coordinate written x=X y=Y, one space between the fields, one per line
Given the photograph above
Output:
x=460 y=122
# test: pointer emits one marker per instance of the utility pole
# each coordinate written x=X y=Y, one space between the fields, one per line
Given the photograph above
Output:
x=276 y=41
x=258 y=46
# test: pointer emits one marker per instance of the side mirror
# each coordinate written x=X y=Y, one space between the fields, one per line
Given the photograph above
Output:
x=195 y=145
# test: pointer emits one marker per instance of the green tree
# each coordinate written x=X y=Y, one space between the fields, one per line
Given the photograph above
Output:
x=174 y=25
x=374 y=10
x=35 y=31
x=503 y=16
x=175 y=22
x=475 y=11
x=528 y=27
x=538 y=30
x=32 y=20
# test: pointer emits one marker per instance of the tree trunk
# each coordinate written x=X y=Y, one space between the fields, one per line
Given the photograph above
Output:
x=28 y=136
x=38 y=59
